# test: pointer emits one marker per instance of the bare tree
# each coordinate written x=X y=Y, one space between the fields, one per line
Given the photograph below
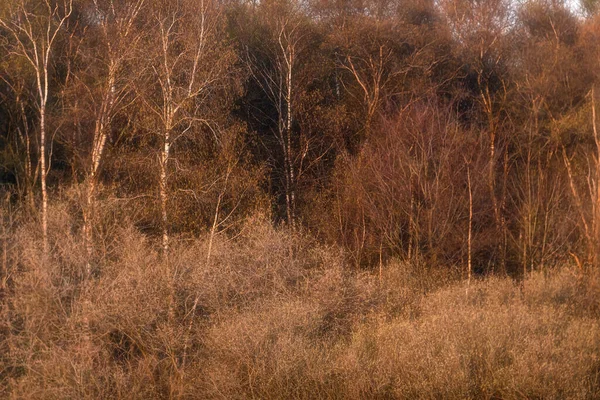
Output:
x=482 y=31
x=188 y=64
x=34 y=27
x=277 y=78
x=370 y=74
x=470 y=230
x=589 y=217
x=108 y=88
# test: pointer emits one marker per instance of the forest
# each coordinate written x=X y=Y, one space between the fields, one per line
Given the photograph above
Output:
x=270 y=199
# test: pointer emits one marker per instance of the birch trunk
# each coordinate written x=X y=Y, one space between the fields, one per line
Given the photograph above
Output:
x=288 y=150
x=102 y=125
x=287 y=47
x=163 y=189
x=36 y=48
x=43 y=174
x=470 y=234
x=596 y=195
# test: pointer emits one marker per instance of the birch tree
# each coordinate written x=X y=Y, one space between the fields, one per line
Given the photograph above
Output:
x=482 y=31
x=106 y=81
x=287 y=40
x=276 y=69
x=189 y=63
x=34 y=28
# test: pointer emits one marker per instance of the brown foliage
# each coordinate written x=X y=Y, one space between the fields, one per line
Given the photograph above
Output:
x=406 y=192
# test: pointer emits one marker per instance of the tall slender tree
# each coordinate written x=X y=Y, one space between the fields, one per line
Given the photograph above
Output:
x=276 y=67
x=104 y=84
x=34 y=28
x=189 y=63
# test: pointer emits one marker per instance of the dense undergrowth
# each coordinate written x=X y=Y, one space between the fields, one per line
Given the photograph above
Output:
x=272 y=314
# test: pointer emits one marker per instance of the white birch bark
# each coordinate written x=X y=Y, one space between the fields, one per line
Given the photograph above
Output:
x=120 y=39
x=175 y=59
x=35 y=35
x=287 y=46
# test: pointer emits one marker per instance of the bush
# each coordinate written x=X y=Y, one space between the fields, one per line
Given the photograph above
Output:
x=272 y=314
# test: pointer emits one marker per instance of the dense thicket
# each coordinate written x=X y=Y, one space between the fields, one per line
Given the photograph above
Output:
x=452 y=131
x=177 y=173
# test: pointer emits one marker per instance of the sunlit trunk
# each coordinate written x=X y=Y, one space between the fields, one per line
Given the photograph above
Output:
x=163 y=189
x=43 y=173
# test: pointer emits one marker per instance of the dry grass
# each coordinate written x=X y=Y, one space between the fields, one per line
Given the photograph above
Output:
x=275 y=315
